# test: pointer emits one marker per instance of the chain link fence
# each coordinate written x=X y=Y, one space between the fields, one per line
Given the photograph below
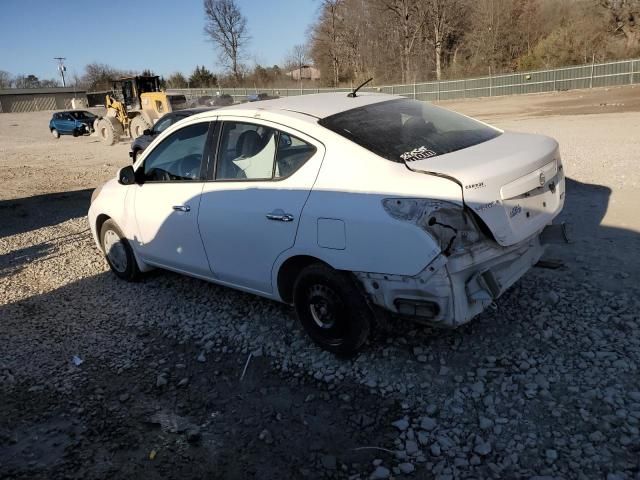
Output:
x=626 y=72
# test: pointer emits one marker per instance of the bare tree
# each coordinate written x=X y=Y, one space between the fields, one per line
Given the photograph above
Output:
x=326 y=40
x=441 y=18
x=5 y=79
x=625 y=18
x=99 y=76
x=49 y=83
x=227 y=28
x=407 y=40
x=409 y=17
x=297 y=58
x=26 y=81
x=177 y=80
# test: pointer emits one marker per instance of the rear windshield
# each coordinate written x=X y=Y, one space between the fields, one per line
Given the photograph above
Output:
x=406 y=130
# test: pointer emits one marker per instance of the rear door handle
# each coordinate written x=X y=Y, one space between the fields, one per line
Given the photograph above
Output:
x=280 y=216
x=182 y=208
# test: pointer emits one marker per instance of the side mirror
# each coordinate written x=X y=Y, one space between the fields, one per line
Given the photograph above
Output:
x=127 y=176
x=147 y=131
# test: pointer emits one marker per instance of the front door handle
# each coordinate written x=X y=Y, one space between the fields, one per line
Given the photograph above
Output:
x=280 y=216
x=182 y=208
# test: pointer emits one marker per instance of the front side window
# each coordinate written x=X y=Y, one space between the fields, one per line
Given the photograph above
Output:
x=404 y=130
x=256 y=152
x=179 y=156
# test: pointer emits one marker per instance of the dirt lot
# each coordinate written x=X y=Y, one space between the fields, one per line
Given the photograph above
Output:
x=547 y=386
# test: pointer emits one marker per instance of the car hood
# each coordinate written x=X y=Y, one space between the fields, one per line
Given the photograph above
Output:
x=513 y=182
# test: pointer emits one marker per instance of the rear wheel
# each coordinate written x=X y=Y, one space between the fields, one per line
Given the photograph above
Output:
x=118 y=252
x=331 y=309
x=138 y=125
x=55 y=133
x=107 y=132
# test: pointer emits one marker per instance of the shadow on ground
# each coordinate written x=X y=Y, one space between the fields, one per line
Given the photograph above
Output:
x=203 y=420
x=22 y=215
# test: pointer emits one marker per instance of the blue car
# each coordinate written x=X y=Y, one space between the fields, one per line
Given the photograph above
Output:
x=71 y=122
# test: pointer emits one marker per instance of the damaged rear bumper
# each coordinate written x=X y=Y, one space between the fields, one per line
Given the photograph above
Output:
x=450 y=291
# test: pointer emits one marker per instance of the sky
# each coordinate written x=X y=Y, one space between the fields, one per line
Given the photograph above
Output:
x=162 y=35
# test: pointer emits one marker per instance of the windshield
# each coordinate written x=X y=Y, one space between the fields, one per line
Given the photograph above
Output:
x=80 y=115
x=406 y=130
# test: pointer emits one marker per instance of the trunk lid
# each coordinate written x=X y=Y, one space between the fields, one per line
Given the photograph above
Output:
x=513 y=182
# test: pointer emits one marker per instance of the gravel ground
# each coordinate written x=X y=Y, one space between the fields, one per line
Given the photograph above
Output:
x=177 y=377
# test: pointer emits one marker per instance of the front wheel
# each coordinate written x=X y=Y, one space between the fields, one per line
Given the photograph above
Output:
x=138 y=125
x=55 y=133
x=118 y=252
x=108 y=132
x=331 y=309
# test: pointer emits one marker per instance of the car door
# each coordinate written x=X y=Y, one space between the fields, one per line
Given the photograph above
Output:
x=66 y=122
x=166 y=202
x=250 y=210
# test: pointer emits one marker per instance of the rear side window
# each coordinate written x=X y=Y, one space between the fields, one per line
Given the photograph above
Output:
x=249 y=151
x=405 y=130
x=292 y=154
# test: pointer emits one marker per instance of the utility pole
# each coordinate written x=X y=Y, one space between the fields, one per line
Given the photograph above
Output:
x=61 y=68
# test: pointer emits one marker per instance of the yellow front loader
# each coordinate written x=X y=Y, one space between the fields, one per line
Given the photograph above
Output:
x=136 y=104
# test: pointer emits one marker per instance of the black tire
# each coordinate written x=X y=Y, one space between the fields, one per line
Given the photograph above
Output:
x=108 y=133
x=75 y=133
x=331 y=309
x=118 y=253
x=138 y=125
x=55 y=133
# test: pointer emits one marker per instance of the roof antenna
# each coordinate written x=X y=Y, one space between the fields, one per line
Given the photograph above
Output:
x=355 y=90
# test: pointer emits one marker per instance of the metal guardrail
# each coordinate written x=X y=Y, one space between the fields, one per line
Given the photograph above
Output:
x=625 y=72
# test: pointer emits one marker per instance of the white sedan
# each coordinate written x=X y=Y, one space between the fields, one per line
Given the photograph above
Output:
x=340 y=205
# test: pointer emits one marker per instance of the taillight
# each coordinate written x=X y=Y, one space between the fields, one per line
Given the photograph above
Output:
x=449 y=224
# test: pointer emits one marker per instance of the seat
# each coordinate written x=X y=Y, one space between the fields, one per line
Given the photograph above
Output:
x=417 y=129
x=248 y=144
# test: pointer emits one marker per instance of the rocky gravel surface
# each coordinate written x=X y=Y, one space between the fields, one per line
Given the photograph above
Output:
x=173 y=377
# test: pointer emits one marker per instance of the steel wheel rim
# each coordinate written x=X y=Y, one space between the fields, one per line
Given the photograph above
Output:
x=326 y=309
x=115 y=251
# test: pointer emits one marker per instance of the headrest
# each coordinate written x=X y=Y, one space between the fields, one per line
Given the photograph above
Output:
x=248 y=144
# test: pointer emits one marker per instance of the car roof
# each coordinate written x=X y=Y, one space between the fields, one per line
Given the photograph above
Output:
x=193 y=111
x=318 y=105
x=72 y=111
